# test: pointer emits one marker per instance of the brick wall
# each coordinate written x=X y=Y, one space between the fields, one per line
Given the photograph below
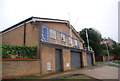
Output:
x=84 y=57
x=15 y=37
x=47 y=55
x=32 y=35
x=18 y=68
x=66 y=60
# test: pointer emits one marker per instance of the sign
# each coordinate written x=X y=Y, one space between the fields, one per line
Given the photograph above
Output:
x=67 y=64
x=49 y=66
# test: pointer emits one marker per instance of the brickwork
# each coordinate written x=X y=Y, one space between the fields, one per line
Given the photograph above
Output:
x=66 y=59
x=14 y=37
x=31 y=35
x=17 y=68
x=84 y=57
x=47 y=55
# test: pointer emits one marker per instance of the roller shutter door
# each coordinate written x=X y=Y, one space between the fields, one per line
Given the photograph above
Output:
x=75 y=60
x=89 y=59
x=58 y=59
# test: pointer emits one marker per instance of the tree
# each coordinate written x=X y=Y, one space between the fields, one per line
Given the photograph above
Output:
x=94 y=39
x=115 y=50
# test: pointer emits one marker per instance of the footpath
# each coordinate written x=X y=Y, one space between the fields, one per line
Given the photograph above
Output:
x=102 y=71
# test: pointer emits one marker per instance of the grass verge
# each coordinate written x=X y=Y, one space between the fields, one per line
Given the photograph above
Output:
x=81 y=77
x=113 y=65
x=28 y=77
x=116 y=61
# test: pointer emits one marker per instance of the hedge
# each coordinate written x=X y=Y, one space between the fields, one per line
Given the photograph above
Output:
x=19 y=52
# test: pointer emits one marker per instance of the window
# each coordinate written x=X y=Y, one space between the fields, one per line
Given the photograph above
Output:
x=45 y=34
x=52 y=33
x=63 y=37
x=78 y=42
x=75 y=42
x=70 y=40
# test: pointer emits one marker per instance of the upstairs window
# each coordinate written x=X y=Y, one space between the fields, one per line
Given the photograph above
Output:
x=75 y=42
x=70 y=40
x=52 y=33
x=45 y=34
x=63 y=37
x=78 y=42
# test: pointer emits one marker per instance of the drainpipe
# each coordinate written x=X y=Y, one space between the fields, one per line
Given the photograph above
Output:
x=40 y=44
x=24 y=39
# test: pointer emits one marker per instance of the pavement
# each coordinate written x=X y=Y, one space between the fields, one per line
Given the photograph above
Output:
x=114 y=63
x=101 y=71
x=105 y=72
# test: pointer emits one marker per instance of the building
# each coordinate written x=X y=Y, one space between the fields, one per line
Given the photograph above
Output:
x=108 y=41
x=60 y=48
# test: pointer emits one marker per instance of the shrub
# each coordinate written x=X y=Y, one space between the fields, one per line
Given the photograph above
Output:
x=19 y=51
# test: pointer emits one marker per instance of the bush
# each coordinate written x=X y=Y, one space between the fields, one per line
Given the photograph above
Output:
x=19 y=51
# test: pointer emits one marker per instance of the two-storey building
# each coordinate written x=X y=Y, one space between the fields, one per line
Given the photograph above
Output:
x=60 y=47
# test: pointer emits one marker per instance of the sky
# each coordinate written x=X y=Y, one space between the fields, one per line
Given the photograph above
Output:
x=99 y=14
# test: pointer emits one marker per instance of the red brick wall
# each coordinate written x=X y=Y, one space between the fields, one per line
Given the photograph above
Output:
x=17 y=68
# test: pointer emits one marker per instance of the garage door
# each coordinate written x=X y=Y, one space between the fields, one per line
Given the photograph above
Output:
x=89 y=59
x=58 y=59
x=75 y=60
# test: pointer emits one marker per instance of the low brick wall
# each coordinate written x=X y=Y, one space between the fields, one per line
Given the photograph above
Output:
x=11 y=68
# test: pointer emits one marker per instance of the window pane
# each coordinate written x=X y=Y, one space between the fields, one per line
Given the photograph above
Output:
x=75 y=42
x=45 y=34
x=63 y=37
x=70 y=40
x=52 y=33
x=78 y=44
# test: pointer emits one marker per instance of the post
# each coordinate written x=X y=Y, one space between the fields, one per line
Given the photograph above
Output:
x=107 y=52
x=87 y=40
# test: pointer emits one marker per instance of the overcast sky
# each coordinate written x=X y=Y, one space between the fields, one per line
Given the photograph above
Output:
x=99 y=14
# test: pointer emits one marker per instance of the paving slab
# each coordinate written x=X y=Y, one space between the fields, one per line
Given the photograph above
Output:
x=104 y=72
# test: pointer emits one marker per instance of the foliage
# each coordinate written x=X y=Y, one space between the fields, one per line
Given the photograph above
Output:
x=116 y=61
x=94 y=39
x=104 y=52
x=19 y=51
x=116 y=51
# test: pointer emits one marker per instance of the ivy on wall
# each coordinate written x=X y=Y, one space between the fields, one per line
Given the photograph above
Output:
x=19 y=52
